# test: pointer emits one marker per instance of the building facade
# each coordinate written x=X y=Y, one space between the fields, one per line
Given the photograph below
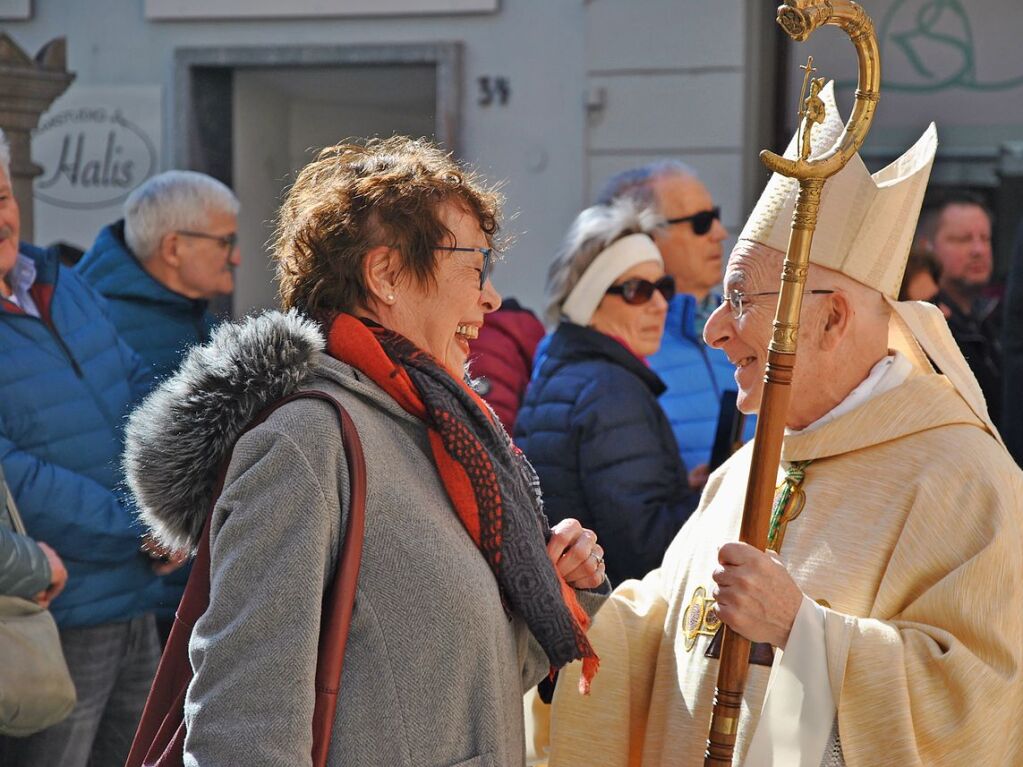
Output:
x=548 y=97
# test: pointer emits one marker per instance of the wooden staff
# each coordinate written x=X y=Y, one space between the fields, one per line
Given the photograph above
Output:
x=799 y=19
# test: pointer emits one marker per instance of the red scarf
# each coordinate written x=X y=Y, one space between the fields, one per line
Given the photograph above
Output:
x=486 y=478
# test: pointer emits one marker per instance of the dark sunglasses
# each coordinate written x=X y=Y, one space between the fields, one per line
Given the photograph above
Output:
x=701 y=222
x=488 y=260
x=637 y=292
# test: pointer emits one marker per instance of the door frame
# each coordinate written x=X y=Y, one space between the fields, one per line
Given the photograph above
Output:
x=213 y=66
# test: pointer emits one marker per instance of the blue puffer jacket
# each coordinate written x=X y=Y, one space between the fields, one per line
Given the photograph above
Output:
x=155 y=321
x=696 y=375
x=603 y=448
x=68 y=381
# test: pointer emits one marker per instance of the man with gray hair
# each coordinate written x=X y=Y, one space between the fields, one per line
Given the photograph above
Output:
x=690 y=241
x=159 y=266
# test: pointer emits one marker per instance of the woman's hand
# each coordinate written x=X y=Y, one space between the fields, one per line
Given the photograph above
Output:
x=576 y=556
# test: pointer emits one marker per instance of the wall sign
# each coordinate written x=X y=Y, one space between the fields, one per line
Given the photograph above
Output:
x=95 y=145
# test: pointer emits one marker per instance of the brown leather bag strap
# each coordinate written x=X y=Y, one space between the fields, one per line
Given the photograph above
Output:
x=339 y=602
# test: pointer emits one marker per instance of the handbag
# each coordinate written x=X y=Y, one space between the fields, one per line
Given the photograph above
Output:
x=160 y=738
x=36 y=690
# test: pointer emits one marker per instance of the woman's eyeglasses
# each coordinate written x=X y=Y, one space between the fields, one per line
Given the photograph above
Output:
x=488 y=260
x=701 y=222
x=637 y=292
x=738 y=300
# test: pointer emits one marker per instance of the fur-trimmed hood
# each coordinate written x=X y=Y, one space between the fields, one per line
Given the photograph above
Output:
x=177 y=439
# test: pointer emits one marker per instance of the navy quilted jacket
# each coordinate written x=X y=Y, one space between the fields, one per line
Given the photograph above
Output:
x=695 y=375
x=591 y=426
x=155 y=321
x=68 y=381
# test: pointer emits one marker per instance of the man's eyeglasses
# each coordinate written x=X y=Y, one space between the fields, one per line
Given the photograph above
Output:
x=488 y=260
x=701 y=222
x=737 y=299
x=226 y=241
x=637 y=292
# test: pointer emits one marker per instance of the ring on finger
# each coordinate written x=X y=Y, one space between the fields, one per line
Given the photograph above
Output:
x=599 y=559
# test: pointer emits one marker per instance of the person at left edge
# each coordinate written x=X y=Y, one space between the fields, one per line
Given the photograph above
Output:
x=68 y=380
x=465 y=596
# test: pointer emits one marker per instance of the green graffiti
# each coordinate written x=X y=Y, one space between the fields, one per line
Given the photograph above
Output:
x=939 y=57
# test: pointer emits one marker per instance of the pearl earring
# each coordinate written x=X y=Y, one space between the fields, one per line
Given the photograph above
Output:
x=390 y=297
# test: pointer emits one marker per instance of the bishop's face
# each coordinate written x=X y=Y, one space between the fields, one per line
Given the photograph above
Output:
x=744 y=339
x=754 y=268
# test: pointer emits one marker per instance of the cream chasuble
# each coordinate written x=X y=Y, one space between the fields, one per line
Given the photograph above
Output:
x=912 y=534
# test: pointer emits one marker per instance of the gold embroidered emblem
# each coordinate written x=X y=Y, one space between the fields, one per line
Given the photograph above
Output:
x=699 y=618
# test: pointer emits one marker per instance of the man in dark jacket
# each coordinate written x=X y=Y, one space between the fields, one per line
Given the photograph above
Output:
x=957 y=230
x=159 y=266
x=68 y=380
x=1012 y=344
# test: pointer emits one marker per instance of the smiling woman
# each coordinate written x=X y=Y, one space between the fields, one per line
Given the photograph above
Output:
x=465 y=594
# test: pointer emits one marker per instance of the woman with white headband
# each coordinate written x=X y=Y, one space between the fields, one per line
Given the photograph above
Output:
x=590 y=422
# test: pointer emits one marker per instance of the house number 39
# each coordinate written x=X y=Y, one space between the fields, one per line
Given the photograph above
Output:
x=493 y=90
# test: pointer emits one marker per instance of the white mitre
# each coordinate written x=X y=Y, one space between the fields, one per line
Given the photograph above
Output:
x=865 y=228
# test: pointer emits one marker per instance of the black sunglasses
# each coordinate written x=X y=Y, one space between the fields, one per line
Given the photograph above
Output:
x=488 y=260
x=637 y=292
x=702 y=221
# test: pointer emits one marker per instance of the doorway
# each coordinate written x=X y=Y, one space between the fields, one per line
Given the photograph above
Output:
x=253 y=117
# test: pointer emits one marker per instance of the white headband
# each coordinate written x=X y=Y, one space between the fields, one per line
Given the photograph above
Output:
x=608 y=266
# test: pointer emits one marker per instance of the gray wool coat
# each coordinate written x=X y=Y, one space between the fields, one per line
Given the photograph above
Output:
x=435 y=670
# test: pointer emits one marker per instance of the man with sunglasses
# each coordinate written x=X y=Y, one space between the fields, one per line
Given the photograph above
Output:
x=690 y=242
x=158 y=267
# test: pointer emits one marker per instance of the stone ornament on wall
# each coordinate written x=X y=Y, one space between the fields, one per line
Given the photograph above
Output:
x=27 y=88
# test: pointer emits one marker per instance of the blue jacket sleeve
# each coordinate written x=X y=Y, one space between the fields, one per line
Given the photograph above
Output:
x=75 y=515
x=635 y=485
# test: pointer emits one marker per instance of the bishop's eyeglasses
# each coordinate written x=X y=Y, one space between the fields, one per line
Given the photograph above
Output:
x=738 y=300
